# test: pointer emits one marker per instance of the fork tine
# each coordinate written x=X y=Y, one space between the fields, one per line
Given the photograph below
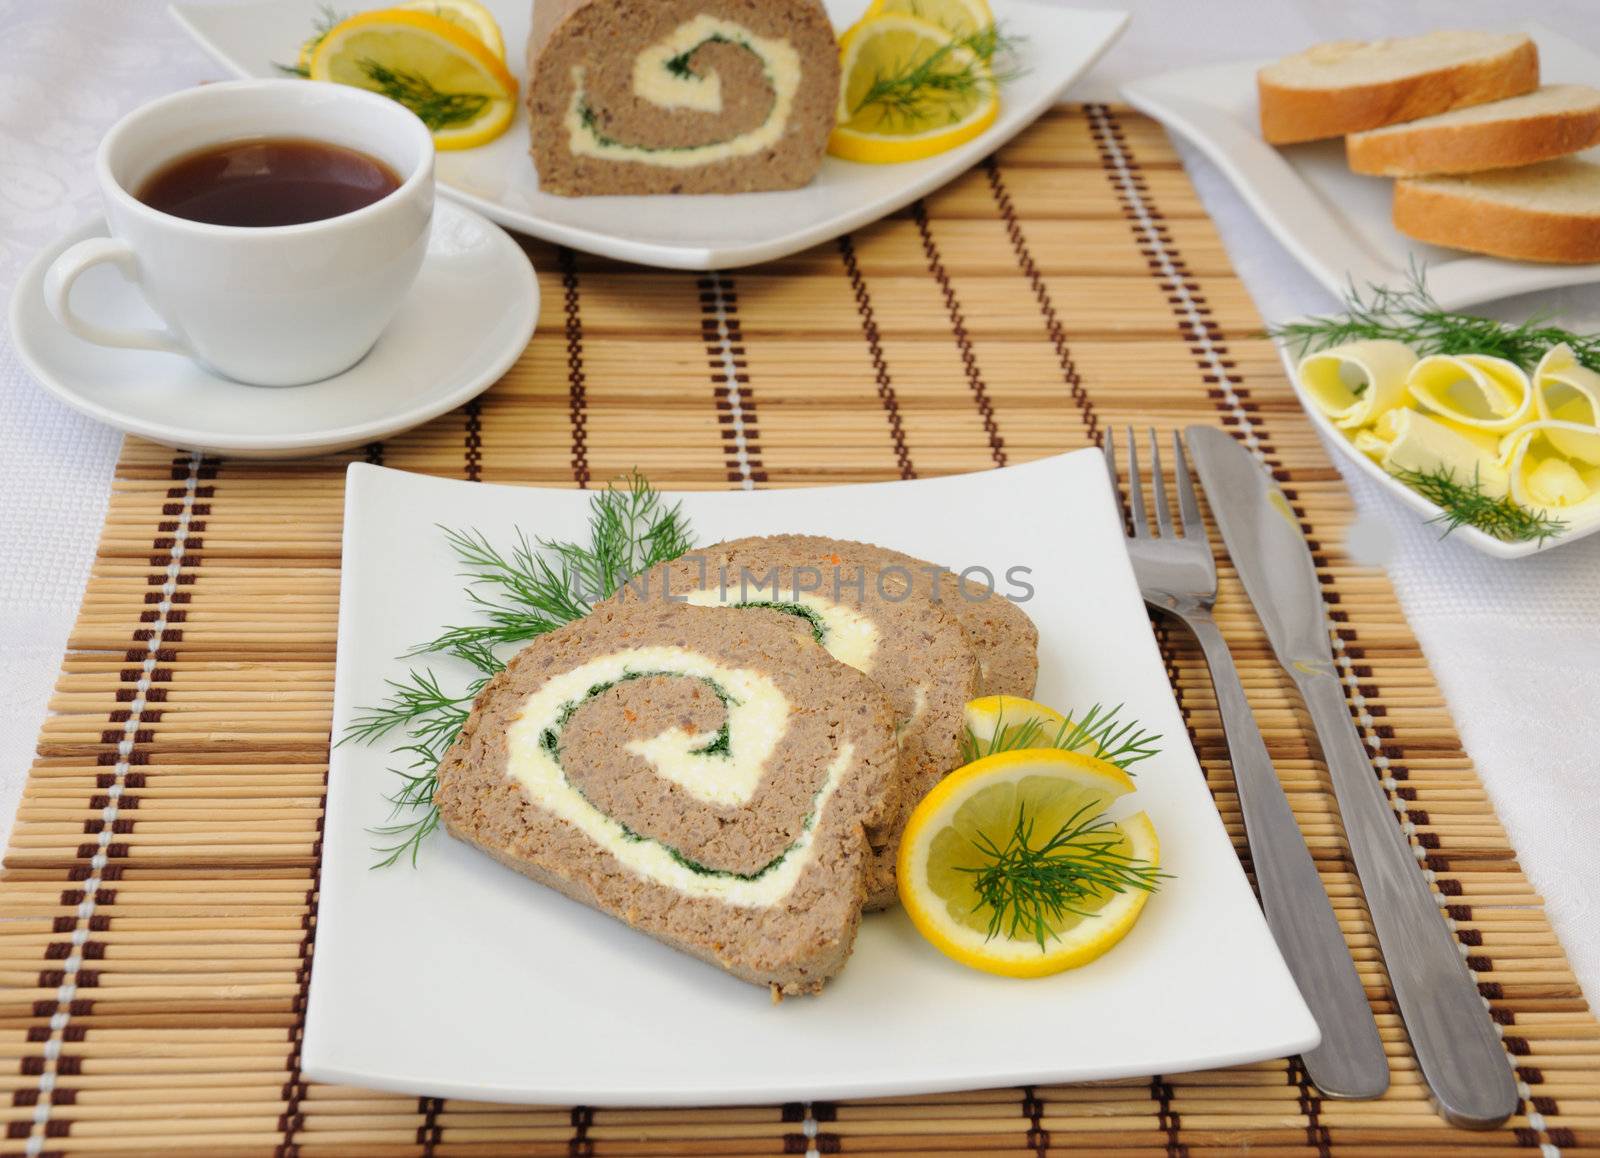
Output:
x=1193 y=526
x=1158 y=486
x=1141 y=525
x=1111 y=469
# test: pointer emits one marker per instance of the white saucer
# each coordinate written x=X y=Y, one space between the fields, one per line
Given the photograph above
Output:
x=466 y=320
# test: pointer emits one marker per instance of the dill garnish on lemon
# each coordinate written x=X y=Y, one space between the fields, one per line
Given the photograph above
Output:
x=918 y=77
x=1011 y=866
x=443 y=59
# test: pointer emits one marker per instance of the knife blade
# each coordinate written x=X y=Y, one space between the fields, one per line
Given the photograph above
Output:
x=1456 y=1045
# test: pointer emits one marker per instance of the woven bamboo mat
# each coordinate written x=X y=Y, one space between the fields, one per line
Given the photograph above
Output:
x=160 y=891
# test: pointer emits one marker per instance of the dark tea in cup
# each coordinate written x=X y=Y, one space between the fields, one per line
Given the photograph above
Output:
x=262 y=183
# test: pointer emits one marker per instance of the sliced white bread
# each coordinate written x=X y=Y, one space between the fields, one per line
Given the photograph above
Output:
x=1555 y=121
x=1348 y=86
x=1544 y=212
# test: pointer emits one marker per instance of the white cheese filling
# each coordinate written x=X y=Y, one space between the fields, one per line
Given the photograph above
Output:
x=660 y=77
x=758 y=714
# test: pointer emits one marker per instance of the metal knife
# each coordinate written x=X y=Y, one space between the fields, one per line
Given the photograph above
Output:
x=1456 y=1045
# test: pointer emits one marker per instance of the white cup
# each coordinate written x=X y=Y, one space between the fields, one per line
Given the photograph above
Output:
x=273 y=306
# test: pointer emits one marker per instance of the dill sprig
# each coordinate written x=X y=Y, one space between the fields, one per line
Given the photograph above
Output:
x=1030 y=889
x=435 y=109
x=1465 y=504
x=1100 y=731
x=521 y=594
x=630 y=530
x=535 y=587
x=416 y=791
x=541 y=584
x=1410 y=315
x=941 y=83
x=323 y=25
x=430 y=719
x=418 y=706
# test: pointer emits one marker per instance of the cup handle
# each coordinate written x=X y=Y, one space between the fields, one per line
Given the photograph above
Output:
x=76 y=261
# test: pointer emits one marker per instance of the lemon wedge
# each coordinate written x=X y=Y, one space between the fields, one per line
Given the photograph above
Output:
x=908 y=90
x=1009 y=866
x=437 y=69
x=957 y=17
x=467 y=14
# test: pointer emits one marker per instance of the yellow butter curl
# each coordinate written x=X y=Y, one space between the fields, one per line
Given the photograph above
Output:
x=1354 y=383
x=1474 y=390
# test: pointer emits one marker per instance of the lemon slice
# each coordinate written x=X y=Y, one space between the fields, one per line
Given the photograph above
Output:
x=467 y=14
x=957 y=17
x=886 y=114
x=1003 y=722
x=441 y=72
x=977 y=847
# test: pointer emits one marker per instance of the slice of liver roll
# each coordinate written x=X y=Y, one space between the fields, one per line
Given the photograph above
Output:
x=1006 y=640
x=793 y=943
x=924 y=659
x=595 y=131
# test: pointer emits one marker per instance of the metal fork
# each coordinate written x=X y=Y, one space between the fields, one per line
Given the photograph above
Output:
x=1178 y=577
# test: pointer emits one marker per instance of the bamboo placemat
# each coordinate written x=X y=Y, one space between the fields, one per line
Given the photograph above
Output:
x=160 y=892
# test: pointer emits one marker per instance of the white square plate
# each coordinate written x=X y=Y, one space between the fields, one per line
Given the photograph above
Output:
x=1335 y=222
x=462 y=978
x=1057 y=45
x=1586 y=523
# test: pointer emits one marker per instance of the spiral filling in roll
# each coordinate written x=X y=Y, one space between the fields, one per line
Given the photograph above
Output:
x=634 y=97
x=706 y=775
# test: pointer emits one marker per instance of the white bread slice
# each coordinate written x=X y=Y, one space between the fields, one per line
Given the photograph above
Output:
x=1544 y=212
x=1348 y=86
x=1554 y=121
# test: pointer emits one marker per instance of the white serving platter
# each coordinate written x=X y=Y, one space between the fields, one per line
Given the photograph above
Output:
x=461 y=978
x=1057 y=45
x=1337 y=223
x=1580 y=526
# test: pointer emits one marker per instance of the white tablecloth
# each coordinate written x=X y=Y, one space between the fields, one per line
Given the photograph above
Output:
x=1515 y=645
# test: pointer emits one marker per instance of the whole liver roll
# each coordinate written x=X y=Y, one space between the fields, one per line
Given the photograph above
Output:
x=680 y=96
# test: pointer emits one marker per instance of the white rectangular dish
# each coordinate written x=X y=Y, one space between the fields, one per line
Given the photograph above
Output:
x=461 y=978
x=1337 y=223
x=1057 y=45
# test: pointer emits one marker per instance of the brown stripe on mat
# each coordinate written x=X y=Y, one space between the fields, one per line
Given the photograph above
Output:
x=730 y=379
x=429 y=1134
x=577 y=389
x=1038 y=1139
x=1166 y=1117
x=1194 y=317
x=958 y=330
x=1310 y=1105
x=472 y=440
x=1041 y=293
x=880 y=366
x=580 y=1145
